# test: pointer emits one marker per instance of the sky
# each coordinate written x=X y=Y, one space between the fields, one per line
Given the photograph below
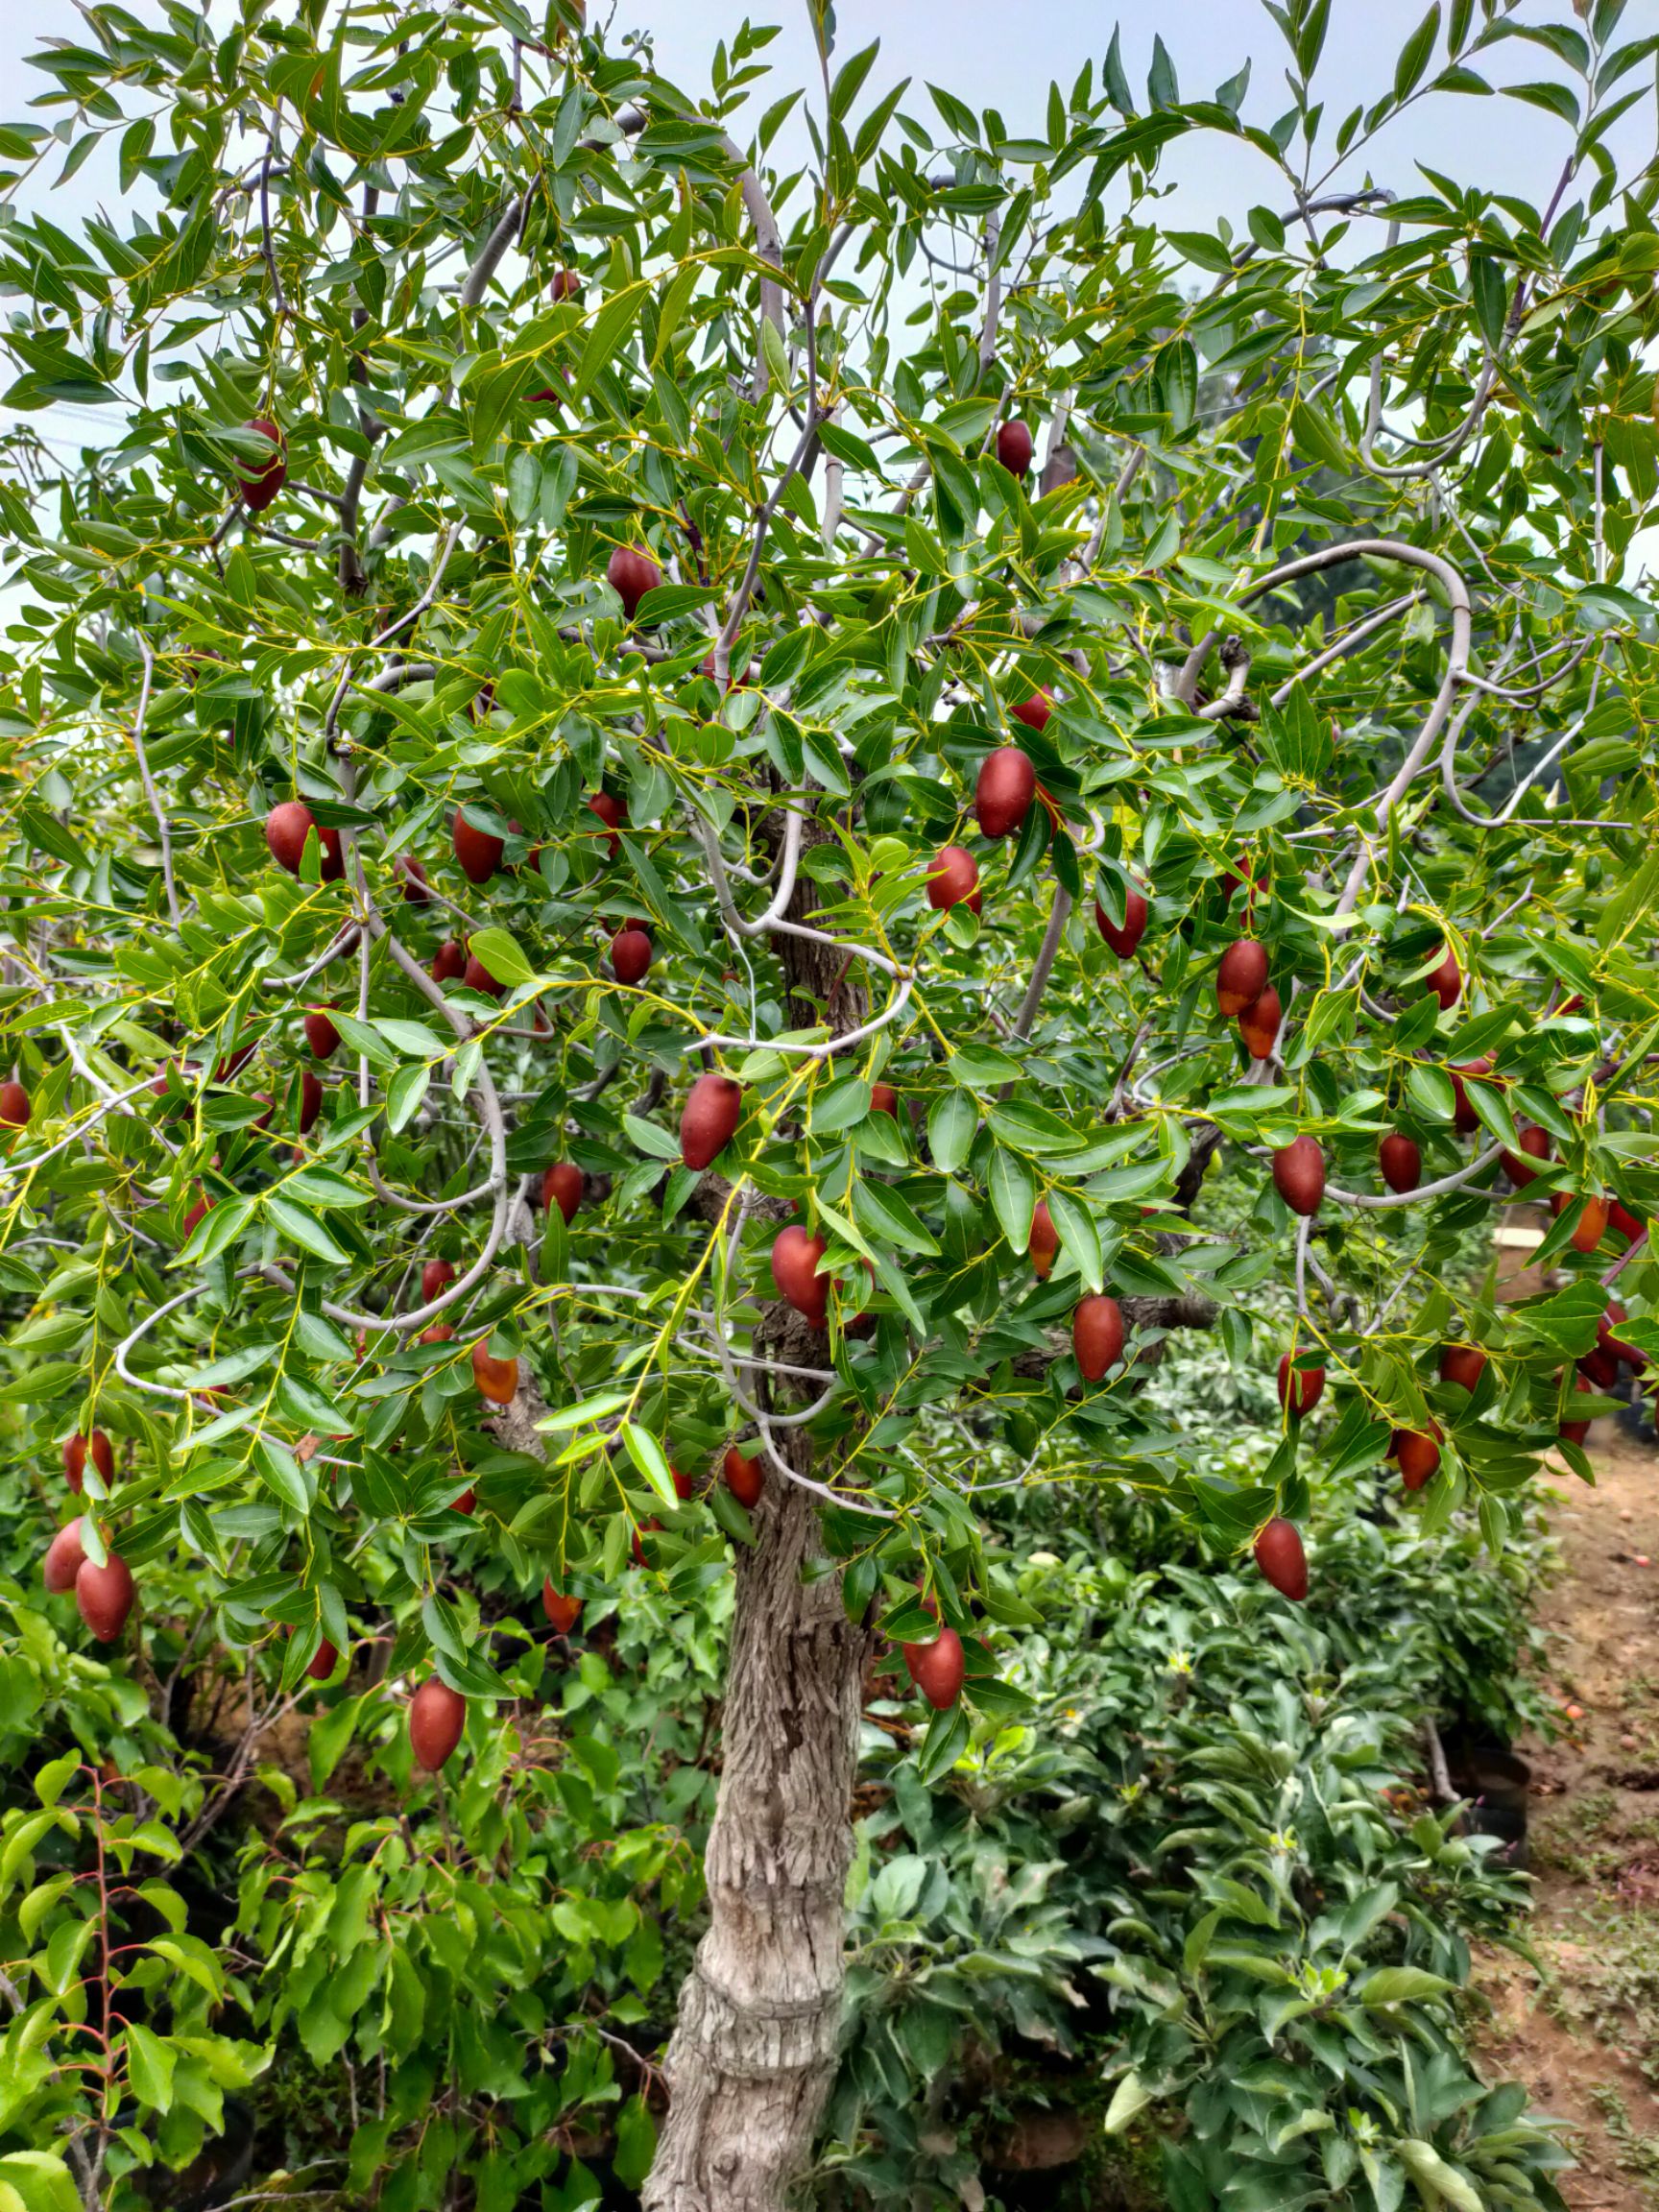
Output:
x=1004 y=53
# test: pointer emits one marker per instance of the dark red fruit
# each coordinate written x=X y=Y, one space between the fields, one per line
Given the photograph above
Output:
x=324 y=1661
x=415 y=890
x=629 y=955
x=310 y=1100
x=1125 y=941
x=75 y=1450
x=477 y=851
x=105 y=1595
x=439 y=1333
x=267 y=480
x=477 y=978
x=1416 y=1455
x=1299 y=1175
x=631 y=574
x=745 y=1478
x=1463 y=1363
x=15 y=1106
x=203 y=1207
x=1591 y=1225
x=466 y=1502
x=63 y=1559
x=436 y=1278
x=1034 y=712
x=1447 y=980
x=1300 y=1388
x=566 y=284
x=795 y=1258
x=954 y=881
x=614 y=813
x=561 y=1186
x=1260 y=1022
x=286 y=829
x=1097 y=1336
x=449 y=961
x=1575 y=1432
x=1534 y=1145
x=1280 y=1556
x=1464 y=1119
x=884 y=1099
x=1400 y=1161
x=1609 y=1340
x=1241 y=976
x=1619 y=1218
x=437 y=1720
x=708 y=1120
x=938 y=1669
x=1599 y=1366
x=1044 y=1242
x=562 y=1612
x=321 y=1034
x=1003 y=794
x=1015 y=447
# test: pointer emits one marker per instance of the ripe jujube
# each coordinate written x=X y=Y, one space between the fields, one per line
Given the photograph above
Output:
x=795 y=1258
x=63 y=1559
x=1299 y=1175
x=477 y=978
x=1534 y=1145
x=1463 y=1364
x=478 y=850
x=1034 y=712
x=954 y=881
x=708 y=1120
x=938 y=1669
x=14 y=1105
x=75 y=1454
x=631 y=574
x=1097 y=1336
x=884 y=1099
x=286 y=829
x=1015 y=446
x=1002 y=796
x=1446 y=982
x=1260 y=1022
x=1400 y=1161
x=1280 y=1556
x=614 y=813
x=561 y=1186
x=436 y=1277
x=1300 y=1388
x=1416 y=1455
x=629 y=955
x=1241 y=976
x=1044 y=1242
x=497 y=1379
x=105 y=1595
x=744 y=1478
x=321 y=1034
x=437 y=1722
x=562 y=1611
x=260 y=487
x=449 y=961
x=1124 y=938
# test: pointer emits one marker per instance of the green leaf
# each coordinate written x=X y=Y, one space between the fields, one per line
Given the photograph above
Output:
x=1400 y=1985
x=619 y=315
x=1129 y=2100
x=304 y=1229
x=952 y=1122
x=878 y=1207
x=149 y=2064
x=1014 y=1196
x=1079 y=1236
x=499 y=952
x=651 y=1462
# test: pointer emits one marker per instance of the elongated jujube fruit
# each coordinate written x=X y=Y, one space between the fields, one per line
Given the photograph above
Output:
x=1447 y=980
x=63 y=1559
x=745 y=1478
x=1280 y=1556
x=105 y=1595
x=1044 y=1242
x=795 y=1258
x=1015 y=446
x=1097 y=1336
x=1517 y=1166
x=1400 y=1161
x=631 y=955
x=1299 y=1175
x=498 y=1379
x=562 y=1611
x=478 y=851
x=631 y=574
x=75 y=1454
x=710 y=1117
x=954 y=881
x=938 y=1669
x=437 y=1720
x=1416 y=1455
x=1125 y=938
x=1034 y=712
x=267 y=479
x=1260 y=1022
x=15 y=1107
x=286 y=829
x=1463 y=1364
x=561 y=1186
x=1300 y=1388
x=1241 y=976
x=1003 y=794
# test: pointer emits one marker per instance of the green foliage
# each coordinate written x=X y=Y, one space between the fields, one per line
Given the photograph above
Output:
x=1323 y=567
x=1208 y=1812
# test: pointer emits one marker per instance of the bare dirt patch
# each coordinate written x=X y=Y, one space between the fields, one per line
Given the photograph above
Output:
x=1582 y=2029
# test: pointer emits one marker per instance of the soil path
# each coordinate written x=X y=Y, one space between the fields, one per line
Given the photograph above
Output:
x=1583 y=2032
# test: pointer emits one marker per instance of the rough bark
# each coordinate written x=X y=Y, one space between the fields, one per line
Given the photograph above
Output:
x=753 y=2050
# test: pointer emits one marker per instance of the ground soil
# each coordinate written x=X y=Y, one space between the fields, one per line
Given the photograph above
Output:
x=1581 y=2030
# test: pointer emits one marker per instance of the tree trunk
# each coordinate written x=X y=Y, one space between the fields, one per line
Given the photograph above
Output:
x=753 y=2050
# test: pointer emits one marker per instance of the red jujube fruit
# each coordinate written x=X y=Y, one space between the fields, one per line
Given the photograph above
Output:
x=437 y=1720
x=1280 y=1556
x=708 y=1120
x=938 y=1669
x=795 y=1258
x=1299 y=1175
x=1097 y=1336
x=1003 y=794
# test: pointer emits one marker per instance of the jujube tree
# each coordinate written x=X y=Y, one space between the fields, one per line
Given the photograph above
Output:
x=660 y=816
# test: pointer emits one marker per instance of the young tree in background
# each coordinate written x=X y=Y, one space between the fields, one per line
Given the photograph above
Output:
x=839 y=735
